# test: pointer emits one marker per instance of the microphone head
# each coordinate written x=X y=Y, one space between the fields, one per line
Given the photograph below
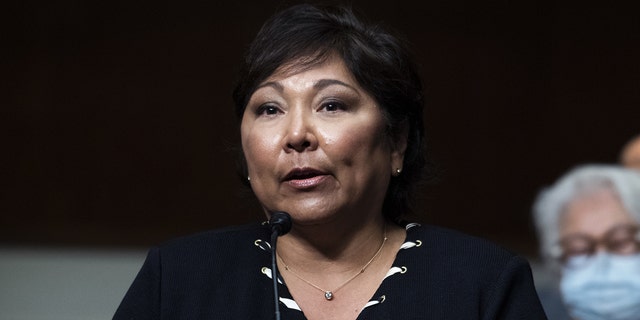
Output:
x=280 y=221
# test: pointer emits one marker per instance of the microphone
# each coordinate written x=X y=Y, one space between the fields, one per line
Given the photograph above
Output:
x=280 y=223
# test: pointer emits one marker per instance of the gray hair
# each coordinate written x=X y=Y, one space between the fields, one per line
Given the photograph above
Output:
x=551 y=201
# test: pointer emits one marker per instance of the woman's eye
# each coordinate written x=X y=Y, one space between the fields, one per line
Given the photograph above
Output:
x=333 y=106
x=578 y=251
x=267 y=110
x=623 y=246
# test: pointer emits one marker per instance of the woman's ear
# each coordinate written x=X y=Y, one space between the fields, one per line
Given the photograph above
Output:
x=398 y=148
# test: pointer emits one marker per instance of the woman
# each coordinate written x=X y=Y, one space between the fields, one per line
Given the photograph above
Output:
x=331 y=130
x=588 y=224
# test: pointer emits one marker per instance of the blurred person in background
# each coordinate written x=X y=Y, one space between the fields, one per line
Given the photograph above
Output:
x=588 y=224
x=630 y=155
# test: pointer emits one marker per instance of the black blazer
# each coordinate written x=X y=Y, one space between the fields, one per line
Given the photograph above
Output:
x=438 y=274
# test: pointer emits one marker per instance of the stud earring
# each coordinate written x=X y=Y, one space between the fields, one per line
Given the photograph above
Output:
x=248 y=178
x=398 y=171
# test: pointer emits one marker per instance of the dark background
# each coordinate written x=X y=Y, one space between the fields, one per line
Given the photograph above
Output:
x=117 y=123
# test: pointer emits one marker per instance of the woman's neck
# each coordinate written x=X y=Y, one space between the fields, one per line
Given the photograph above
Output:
x=333 y=247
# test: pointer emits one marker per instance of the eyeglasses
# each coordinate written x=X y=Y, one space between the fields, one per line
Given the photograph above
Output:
x=621 y=240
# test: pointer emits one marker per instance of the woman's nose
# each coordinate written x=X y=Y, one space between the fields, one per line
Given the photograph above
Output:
x=301 y=133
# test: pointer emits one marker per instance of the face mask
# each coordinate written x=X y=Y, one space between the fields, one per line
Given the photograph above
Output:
x=603 y=287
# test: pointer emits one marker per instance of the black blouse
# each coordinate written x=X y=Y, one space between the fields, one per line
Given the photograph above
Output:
x=226 y=274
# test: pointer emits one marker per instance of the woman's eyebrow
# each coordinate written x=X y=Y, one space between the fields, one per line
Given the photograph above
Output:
x=323 y=83
x=319 y=85
x=272 y=84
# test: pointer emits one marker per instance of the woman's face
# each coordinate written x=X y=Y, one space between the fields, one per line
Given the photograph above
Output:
x=316 y=147
x=596 y=221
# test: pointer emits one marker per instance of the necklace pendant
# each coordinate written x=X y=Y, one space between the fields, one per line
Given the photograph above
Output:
x=328 y=295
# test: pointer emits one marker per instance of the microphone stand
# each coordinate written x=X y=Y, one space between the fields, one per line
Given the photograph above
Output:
x=274 y=274
x=280 y=224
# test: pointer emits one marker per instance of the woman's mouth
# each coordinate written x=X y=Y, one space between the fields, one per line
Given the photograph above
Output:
x=304 y=178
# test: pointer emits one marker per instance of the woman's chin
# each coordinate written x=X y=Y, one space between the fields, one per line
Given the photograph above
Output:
x=310 y=217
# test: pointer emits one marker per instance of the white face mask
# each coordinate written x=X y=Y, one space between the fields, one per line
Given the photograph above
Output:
x=606 y=287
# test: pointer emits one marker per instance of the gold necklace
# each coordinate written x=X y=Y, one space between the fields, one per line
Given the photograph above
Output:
x=328 y=294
